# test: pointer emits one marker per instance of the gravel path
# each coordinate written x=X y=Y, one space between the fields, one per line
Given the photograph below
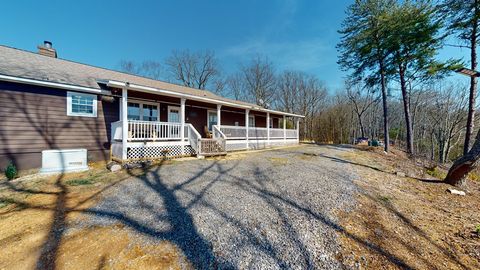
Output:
x=265 y=210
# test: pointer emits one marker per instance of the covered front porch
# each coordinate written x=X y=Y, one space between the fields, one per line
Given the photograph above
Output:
x=155 y=126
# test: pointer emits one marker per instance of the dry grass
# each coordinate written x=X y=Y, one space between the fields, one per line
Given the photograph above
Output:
x=30 y=210
x=408 y=222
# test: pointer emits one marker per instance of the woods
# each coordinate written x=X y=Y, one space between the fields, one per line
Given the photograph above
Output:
x=397 y=91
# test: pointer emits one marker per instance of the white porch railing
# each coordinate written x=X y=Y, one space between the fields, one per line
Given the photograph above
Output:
x=237 y=132
x=193 y=137
x=149 y=131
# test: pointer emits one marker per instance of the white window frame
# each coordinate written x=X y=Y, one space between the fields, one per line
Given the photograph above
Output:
x=179 y=113
x=251 y=121
x=141 y=103
x=208 y=122
x=69 y=104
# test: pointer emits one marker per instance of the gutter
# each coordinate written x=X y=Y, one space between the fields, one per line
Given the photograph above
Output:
x=131 y=86
x=16 y=79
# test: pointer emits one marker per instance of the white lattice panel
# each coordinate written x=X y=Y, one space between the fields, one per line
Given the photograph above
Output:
x=154 y=152
x=236 y=146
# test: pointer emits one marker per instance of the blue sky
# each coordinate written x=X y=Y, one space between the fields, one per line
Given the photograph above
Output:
x=295 y=35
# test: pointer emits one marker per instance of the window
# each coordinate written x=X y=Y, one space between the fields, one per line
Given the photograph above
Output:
x=150 y=112
x=133 y=111
x=251 y=121
x=212 y=119
x=142 y=111
x=271 y=122
x=80 y=104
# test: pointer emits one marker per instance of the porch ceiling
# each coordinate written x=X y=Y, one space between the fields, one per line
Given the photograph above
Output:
x=226 y=102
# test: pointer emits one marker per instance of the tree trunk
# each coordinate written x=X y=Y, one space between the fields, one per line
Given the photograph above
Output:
x=406 y=109
x=473 y=88
x=457 y=175
x=385 y=107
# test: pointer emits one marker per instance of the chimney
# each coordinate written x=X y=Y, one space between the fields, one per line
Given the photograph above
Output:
x=47 y=49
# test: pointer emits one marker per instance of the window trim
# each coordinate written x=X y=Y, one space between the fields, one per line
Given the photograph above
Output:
x=141 y=103
x=208 y=118
x=179 y=113
x=251 y=123
x=69 y=104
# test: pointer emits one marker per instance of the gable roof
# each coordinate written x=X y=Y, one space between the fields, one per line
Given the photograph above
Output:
x=24 y=64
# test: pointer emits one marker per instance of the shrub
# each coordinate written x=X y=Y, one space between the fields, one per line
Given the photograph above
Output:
x=11 y=171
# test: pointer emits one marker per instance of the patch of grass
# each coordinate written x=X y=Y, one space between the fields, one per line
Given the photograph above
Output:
x=385 y=199
x=80 y=182
x=474 y=176
x=435 y=172
x=6 y=202
x=477 y=229
x=279 y=161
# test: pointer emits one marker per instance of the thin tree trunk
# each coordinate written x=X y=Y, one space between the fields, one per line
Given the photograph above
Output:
x=473 y=87
x=406 y=109
x=385 y=107
x=471 y=101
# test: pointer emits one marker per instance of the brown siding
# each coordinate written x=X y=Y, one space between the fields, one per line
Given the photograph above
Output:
x=35 y=118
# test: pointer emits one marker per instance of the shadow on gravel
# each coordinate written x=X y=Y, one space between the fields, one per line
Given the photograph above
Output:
x=406 y=221
x=184 y=233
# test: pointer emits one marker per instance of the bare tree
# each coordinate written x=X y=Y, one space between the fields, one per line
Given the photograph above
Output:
x=194 y=70
x=260 y=81
x=150 y=69
x=362 y=98
x=235 y=86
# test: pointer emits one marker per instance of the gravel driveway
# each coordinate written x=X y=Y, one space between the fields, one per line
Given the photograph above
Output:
x=262 y=210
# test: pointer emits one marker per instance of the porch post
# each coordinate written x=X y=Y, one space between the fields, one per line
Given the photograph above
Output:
x=284 y=129
x=124 y=123
x=219 y=107
x=268 y=128
x=182 y=122
x=247 y=116
x=298 y=128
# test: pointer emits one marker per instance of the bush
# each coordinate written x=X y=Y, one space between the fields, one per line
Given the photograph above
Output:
x=11 y=171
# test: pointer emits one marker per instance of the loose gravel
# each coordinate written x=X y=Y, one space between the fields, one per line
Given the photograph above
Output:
x=264 y=210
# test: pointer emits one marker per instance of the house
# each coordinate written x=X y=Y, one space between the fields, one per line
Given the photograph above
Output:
x=52 y=103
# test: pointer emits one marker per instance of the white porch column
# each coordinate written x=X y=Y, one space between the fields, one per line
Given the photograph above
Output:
x=247 y=116
x=284 y=129
x=182 y=122
x=219 y=107
x=268 y=128
x=124 y=122
x=297 y=124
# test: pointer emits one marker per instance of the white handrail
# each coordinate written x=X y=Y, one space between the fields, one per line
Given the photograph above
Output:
x=217 y=133
x=193 y=137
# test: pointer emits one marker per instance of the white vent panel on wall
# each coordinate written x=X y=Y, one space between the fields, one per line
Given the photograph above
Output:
x=64 y=160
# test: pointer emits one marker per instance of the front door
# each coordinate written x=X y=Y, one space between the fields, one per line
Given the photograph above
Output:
x=174 y=117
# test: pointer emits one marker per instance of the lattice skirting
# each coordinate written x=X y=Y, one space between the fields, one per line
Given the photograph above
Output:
x=157 y=152
x=242 y=145
x=236 y=146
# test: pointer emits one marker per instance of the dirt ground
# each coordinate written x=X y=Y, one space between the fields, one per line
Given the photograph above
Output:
x=34 y=211
x=398 y=222
x=408 y=222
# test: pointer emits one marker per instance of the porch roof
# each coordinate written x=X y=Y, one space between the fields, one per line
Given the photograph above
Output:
x=34 y=68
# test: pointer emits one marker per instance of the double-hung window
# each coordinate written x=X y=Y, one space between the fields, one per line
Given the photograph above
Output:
x=80 y=104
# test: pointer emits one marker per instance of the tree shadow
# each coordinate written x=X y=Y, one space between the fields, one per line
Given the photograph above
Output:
x=184 y=232
x=344 y=161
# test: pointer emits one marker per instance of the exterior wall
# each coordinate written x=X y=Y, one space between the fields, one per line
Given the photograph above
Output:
x=35 y=118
